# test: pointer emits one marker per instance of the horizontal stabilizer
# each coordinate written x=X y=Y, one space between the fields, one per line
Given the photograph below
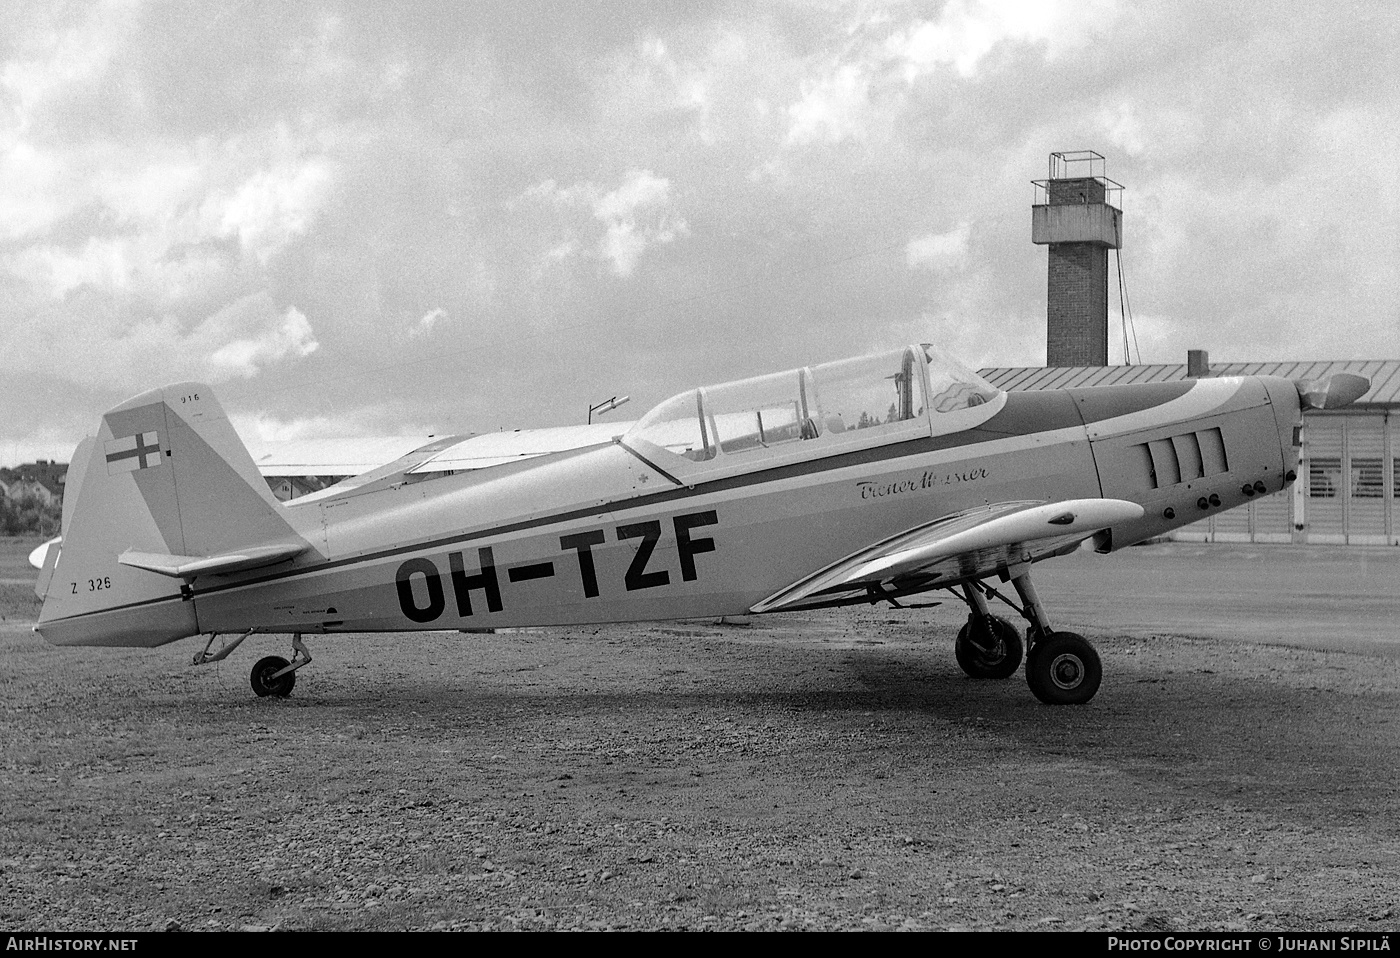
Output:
x=961 y=546
x=47 y=558
x=41 y=554
x=187 y=567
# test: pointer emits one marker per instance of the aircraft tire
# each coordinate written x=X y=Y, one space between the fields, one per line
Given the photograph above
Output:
x=262 y=681
x=1064 y=669
x=977 y=663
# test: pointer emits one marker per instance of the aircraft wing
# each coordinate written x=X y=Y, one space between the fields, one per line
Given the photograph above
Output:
x=357 y=456
x=337 y=456
x=488 y=449
x=965 y=545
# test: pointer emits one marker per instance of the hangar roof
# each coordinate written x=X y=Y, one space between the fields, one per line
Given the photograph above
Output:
x=1383 y=373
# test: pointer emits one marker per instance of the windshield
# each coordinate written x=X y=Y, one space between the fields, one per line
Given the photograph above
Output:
x=869 y=398
x=951 y=385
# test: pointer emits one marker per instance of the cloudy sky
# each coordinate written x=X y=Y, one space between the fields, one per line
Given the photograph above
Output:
x=374 y=218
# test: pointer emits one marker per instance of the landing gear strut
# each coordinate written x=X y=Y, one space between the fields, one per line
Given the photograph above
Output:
x=274 y=675
x=1062 y=668
x=988 y=647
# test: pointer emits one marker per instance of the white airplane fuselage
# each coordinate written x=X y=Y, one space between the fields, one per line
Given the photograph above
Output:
x=613 y=533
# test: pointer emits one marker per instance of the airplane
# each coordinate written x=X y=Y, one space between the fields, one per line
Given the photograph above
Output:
x=859 y=481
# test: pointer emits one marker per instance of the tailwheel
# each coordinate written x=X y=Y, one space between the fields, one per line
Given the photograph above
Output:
x=266 y=681
x=988 y=647
x=274 y=675
x=1063 y=669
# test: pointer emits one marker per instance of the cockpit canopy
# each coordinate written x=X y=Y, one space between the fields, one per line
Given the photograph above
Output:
x=899 y=394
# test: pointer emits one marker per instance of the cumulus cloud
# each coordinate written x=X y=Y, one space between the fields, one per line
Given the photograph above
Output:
x=860 y=85
x=939 y=250
x=274 y=206
x=36 y=189
x=157 y=226
x=965 y=31
x=95 y=192
x=633 y=216
x=562 y=251
x=63 y=55
x=146 y=264
x=1123 y=128
x=832 y=108
x=640 y=189
x=650 y=80
x=239 y=341
x=621 y=211
x=263 y=427
x=258 y=340
x=257 y=428
x=426 y=322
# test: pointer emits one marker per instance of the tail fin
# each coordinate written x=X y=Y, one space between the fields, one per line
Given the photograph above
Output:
x=165 y=492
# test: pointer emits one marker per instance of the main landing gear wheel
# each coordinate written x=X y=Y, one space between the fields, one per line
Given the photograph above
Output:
x=1063 y=669
x=262 y=677
x=988 y=647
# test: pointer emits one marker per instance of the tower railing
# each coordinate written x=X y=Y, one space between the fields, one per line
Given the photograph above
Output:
x=1077 y=165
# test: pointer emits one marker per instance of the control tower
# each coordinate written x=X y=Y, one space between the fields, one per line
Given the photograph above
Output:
x=1077 y=214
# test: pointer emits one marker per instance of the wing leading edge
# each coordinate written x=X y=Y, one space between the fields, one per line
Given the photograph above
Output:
x=964 y=545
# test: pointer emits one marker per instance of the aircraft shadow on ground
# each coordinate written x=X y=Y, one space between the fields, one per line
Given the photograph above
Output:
x=1231 y=738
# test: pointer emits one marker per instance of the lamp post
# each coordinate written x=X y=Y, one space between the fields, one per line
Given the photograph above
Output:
x=607 y=405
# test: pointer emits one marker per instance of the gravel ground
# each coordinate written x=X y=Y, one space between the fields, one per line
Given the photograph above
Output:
x=831 y=771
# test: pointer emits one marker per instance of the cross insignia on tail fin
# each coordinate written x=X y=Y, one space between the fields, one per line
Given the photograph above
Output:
x=130 y=453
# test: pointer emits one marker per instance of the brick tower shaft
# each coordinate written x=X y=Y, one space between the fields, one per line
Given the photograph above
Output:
x=1076 y=311
x=1076 y=217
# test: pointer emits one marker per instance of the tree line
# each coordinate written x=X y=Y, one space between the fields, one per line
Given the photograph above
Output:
x=29 y=516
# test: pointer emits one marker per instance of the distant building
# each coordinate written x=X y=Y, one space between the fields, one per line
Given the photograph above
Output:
x=42 y=480
x=285 y=488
